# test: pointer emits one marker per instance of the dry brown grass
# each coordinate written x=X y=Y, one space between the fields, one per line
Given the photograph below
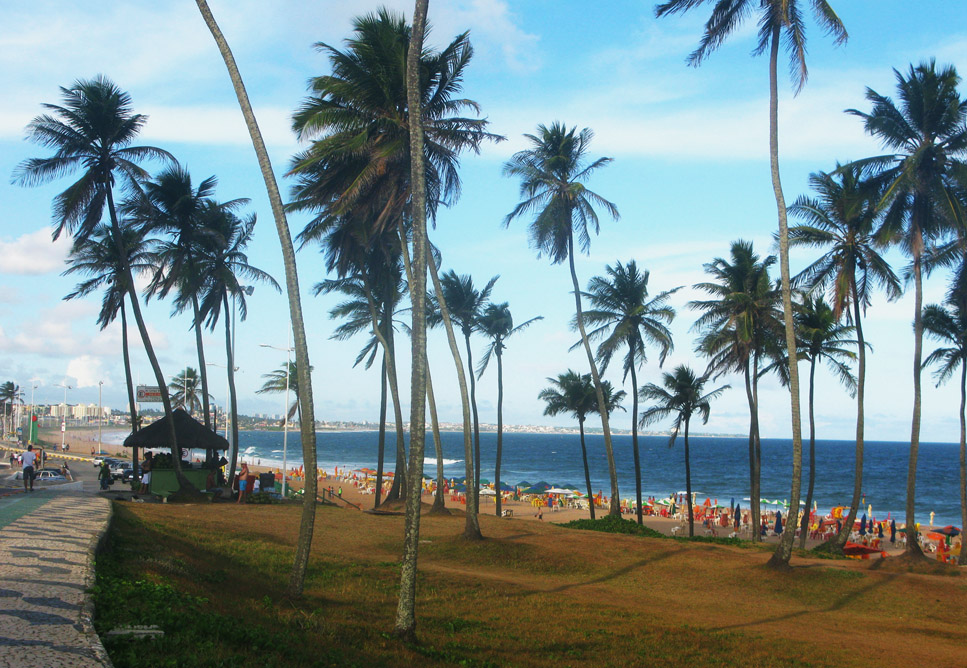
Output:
x=535 y=594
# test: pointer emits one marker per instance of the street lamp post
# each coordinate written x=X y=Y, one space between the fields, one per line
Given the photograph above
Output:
x=285 y=414
x=100 y=413
x=63 y=424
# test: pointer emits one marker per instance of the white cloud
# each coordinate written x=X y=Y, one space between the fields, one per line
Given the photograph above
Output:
x=33 y=254
x=85 y=371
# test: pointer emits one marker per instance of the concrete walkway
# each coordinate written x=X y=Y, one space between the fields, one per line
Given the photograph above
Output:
x=47 y=542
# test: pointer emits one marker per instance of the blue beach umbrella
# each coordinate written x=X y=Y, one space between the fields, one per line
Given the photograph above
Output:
x=778 y=522
x=523 y=484
x=863 y=525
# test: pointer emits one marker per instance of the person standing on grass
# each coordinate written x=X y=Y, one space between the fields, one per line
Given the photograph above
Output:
x=146 y=467
x=28 y=459
x=242 y=483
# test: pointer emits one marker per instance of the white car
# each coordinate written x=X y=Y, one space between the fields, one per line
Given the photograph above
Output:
x=44 y=475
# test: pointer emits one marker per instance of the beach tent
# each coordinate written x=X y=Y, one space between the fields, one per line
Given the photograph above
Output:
x=191 y=434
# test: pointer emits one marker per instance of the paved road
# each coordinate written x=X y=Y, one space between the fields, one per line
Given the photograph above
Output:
x=47 y=542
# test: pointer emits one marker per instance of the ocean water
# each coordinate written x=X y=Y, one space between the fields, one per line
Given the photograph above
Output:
x=720 y=466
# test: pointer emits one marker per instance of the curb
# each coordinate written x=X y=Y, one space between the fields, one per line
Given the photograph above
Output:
x=86 y=620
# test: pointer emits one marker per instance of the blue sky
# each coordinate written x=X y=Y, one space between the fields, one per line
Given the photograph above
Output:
x=690 y=174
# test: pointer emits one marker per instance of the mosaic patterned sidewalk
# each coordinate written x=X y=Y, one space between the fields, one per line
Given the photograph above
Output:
x=47 y=539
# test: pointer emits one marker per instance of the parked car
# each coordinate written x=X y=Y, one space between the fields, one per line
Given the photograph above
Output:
x=118 y=469
x=43 y=475
x=110 y=461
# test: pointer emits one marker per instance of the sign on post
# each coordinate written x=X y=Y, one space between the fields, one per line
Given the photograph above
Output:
x=148 y=394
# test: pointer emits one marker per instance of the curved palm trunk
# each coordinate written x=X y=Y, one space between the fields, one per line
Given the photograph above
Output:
x=202 y=367
x=471 y=529
x=839 y=540
x=615 y=508
x=405 y=627
x=500 y=425
x=753 y=481
x=381 y=439
x=634 y=438
x=688 y=484
x=963 y=456
x=439 y=503
x=183 y=482
x=307 y=423
x=386 y=340
x=132 y=403
x=913 y=550
x=587 y=471
x=780 y=557
x=804 y=525
x=232 y=395
x=476 y=423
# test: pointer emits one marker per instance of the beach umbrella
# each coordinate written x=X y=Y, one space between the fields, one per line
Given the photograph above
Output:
x=484 y=481
x=523 y=484
x=559 y=490
x=863 y=525
x=542 y=484
x=892 y=531
x=573 y=488
x=486 y=491
x=949 y=530
x=778 y=522
x=534 y=490
x=504 y=487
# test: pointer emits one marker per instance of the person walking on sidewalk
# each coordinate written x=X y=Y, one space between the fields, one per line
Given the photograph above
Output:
x=29 y=458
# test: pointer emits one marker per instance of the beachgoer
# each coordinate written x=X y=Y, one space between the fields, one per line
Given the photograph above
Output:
x=28 y=459
x=104 y=475
x=242 y=482
x=540 y=513
x=146 y=467
x=340 y=487
x=892 y=531
x=93 y=452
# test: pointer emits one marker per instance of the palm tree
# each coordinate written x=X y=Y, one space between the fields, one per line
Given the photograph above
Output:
x=223 y=263
x=574 y=393
x=681 y=397
x=93 y=132
x=276 y=382
x=308 y=425
x=842 y=218
x=928 y=135
x=740 y=326
x=552 y=175
x=406 y=609
x=780 y=21
x=623 y=317
x=359 y=163
x=10 y=394
x=170 y=205
x=376 y=288
x=97 y=257
x=497 y=323
x=948 y=324
x=185 y=390
x=823 y=339
x=466 y=305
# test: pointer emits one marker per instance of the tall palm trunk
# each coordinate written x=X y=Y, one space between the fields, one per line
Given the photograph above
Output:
x=780 y=557
x=615 y=508
x=476 y=421
x=913 y=547
x=587 y=471
x=500 y=425
x=963 y=456
x=839 y=541
x=804 y=525
x=202 y=367
x=439 y=502
x=132 y=403
x=634 y=436
x=307 y=421
x=471 y=528
x=381 y=439
x=183 y=482
x=386 y=340
x=405 y=627
x=688 y=484
x=232 y=395
x=753 y=429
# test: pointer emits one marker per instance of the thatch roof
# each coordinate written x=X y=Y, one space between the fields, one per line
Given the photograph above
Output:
x=191 y=434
